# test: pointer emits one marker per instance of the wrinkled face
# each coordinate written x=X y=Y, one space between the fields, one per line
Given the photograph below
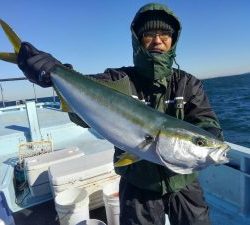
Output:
x=156 y=41
x=190 y=151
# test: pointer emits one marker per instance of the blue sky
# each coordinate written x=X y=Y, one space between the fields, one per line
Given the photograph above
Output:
x=93 y=35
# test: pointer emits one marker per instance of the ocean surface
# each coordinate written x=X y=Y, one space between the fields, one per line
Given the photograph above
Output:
x=230 y=99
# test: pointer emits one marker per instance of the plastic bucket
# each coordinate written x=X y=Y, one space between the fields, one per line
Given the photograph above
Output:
x=92 y=222
x=72 y=206
x=111 y=202
x=166 y=220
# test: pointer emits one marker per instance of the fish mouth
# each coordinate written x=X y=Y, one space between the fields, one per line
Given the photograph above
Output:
x=220 y=155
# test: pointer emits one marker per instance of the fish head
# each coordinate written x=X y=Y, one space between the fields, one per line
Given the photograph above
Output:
x=184 y=151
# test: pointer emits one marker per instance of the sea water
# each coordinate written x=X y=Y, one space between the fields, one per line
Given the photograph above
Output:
x=230 y=99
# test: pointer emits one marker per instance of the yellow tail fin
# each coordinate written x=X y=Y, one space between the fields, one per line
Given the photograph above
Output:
x=14 y=40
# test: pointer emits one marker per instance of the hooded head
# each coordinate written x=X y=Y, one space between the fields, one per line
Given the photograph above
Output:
x=154 y=66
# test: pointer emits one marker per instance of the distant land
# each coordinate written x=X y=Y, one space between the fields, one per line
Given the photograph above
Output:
x=226 y=75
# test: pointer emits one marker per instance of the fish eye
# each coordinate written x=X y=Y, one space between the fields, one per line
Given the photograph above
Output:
x=200 y=141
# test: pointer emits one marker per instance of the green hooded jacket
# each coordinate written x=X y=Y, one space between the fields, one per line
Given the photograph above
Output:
x=154 y=67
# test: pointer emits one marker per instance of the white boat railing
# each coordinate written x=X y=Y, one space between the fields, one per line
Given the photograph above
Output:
x=19 y=104
x=23 y=106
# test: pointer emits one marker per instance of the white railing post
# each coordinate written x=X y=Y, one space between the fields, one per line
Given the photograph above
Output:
x=2 y=95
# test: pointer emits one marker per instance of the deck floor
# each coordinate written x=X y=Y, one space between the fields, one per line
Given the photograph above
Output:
x=36 y=215
x=17 y=121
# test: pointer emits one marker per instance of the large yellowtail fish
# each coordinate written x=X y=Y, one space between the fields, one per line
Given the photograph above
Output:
x=141 y=131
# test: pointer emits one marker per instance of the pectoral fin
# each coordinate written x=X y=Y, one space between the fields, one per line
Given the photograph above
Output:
x=148 y=140
x=126 y=159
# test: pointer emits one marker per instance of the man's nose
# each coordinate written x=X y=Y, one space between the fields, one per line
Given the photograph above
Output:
x=157 y=39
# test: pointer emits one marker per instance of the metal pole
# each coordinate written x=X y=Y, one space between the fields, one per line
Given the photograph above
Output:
x=54 y=97
x=2 y=95
x=34 y=92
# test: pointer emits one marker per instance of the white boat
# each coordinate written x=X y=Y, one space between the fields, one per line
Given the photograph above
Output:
x=33 y=130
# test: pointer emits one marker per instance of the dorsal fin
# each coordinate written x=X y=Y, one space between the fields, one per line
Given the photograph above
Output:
x=122 y=85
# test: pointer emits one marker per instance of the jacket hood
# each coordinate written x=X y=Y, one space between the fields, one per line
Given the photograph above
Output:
x=150 y=65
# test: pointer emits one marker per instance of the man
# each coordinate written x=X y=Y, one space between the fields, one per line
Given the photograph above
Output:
x=148 y=191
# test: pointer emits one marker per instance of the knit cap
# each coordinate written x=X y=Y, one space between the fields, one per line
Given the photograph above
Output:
x=152 y=21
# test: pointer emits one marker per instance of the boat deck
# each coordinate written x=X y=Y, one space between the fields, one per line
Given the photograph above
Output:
x=36 y=213
x=16 y=121
x=52 y=123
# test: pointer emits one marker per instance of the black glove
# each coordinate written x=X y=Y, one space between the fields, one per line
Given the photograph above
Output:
x=36 y=65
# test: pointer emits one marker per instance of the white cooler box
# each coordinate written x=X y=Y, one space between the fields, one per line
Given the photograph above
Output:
x=36 y=168
x=92 y=172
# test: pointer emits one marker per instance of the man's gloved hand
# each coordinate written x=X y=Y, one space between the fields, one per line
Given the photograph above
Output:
x=36 y=65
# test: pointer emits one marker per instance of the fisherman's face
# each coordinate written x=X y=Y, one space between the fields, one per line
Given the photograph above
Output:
x=156 y=41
